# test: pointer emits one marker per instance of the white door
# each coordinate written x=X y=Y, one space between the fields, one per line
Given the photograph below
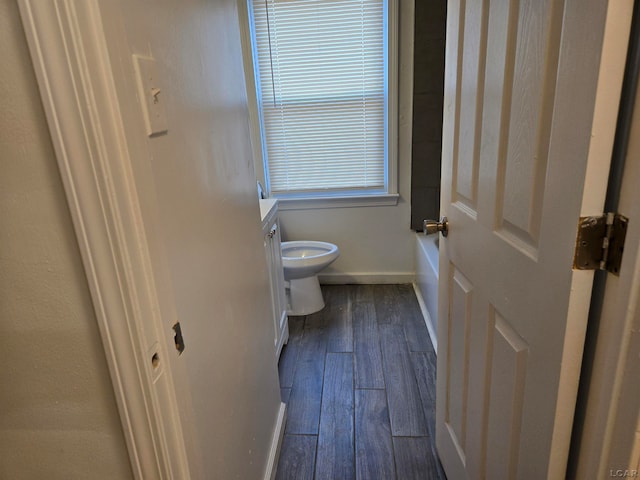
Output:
x=530 y=108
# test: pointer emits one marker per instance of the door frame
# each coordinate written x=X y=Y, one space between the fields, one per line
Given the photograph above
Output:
x=608 y=440
x=69 y=52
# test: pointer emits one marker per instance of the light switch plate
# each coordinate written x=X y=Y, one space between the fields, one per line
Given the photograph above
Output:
x=152 y=96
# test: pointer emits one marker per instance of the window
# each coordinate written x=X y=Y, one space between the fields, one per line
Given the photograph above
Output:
x=323 y=86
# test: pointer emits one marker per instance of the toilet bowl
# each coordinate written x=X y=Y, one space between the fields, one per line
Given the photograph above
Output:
x=302 y=261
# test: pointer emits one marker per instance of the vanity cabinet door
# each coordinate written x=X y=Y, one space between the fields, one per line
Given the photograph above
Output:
x=272 y=244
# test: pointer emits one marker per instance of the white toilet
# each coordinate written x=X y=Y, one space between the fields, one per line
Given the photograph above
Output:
x=302 y=261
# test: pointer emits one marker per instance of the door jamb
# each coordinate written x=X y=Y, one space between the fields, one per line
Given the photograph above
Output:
x=69 y=52
x=605 y=401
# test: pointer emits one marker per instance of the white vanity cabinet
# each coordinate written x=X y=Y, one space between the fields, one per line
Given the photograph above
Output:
x=272 y=250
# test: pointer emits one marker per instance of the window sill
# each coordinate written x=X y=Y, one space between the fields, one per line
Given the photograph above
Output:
x=308 y=203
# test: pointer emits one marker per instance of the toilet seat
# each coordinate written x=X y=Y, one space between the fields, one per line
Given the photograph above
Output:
x=304 y=258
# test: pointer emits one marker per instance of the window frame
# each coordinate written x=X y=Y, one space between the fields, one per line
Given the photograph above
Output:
x=310 y=200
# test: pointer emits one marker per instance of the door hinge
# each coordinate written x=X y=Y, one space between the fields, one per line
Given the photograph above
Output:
x=600 y=242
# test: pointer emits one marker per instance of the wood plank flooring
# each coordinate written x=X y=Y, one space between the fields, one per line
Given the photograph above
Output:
x=359 y=382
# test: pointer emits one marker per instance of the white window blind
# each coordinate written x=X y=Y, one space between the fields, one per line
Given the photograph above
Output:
x=321 y=72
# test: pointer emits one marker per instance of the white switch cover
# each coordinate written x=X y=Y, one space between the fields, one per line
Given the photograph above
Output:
x=152 y=97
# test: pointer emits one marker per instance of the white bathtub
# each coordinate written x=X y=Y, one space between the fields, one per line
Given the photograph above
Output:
x=426 y=285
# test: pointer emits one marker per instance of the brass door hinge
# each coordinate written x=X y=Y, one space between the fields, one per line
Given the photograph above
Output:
x=600 y=242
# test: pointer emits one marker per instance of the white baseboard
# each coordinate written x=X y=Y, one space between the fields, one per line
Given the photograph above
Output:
x=276 y=443
x=366 y=278
x=427 y=318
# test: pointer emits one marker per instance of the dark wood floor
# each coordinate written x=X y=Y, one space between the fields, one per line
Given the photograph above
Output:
x=359 y=382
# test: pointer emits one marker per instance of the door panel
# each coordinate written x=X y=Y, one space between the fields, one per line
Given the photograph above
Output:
x=520 y=84
x=508 y=372
x=533 y=54
x=458 y=341
x=470 y=109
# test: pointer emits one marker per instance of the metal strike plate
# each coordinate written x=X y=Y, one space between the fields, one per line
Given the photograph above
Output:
x=179 y=341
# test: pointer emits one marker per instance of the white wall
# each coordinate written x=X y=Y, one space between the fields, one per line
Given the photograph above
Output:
x=376 y=243
x=58 y=416
x=201 y=214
